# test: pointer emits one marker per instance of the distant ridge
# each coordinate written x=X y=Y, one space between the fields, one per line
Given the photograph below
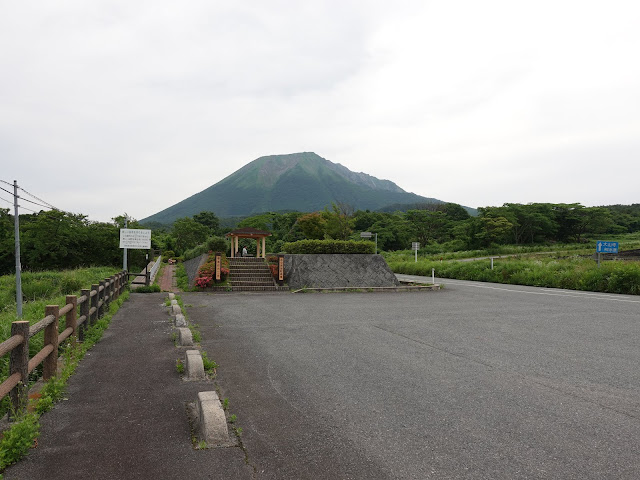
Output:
x=303 y=182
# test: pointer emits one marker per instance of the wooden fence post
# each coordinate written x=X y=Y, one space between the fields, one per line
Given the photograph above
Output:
x=50 y=364
x=101 y=292
x=116 y=291
x=19 y=363
x=71 y=320
x=107 y=294
x=94 y=303
x=84 y=311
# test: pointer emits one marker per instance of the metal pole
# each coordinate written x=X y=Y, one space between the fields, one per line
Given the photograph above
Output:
x=416 y=250
x=491 y=263
x=433 y=276
x=599 y=254
x=376 y=243
x=124 y=258
x=16 y=223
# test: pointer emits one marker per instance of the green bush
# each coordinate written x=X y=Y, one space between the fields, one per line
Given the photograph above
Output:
x=150 y=289
x=571 y=273
x=328 y=246
x=213 y=244
x=168 y=254
x=217 y=244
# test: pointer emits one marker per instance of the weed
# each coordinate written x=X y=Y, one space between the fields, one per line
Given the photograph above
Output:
x=195 y=333
x=209 y=365
x=150 y=289
x=180 y=366
x=232 y=418
x=18 y=439
x=202 y=445
x=225 y=404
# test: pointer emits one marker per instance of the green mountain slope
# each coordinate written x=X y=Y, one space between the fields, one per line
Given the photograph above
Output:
x=299 y=181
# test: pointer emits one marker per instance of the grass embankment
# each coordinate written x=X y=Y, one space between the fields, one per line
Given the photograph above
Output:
x=573 y=273
x=41 y=289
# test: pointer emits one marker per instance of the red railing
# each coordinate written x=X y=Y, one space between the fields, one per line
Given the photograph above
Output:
x=92 y=303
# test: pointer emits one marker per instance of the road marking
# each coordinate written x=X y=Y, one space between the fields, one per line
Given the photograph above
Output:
x=559 y=293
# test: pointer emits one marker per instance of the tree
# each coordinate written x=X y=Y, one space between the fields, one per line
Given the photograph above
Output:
x=312 y=226
x=338 y=221
x=188 y=233
x=428 y=226
x=494 y=230
x=209 y=220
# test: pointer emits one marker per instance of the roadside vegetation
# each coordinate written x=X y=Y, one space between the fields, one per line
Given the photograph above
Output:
x=45 y=288
x=16 y=441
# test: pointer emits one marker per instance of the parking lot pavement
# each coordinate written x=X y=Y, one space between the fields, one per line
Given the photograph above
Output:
x=464 y=383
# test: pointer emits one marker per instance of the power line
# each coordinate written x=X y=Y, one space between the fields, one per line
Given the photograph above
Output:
x=8 y=201
x=44 y=203
x=36 y=203
x=25 y=199
x=39 y=199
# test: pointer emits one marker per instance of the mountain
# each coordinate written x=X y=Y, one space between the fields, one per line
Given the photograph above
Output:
x=302 y=182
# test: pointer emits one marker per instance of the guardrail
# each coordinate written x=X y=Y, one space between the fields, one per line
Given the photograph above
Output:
x=92 y=303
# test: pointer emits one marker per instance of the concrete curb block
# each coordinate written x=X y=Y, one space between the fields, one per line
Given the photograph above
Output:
x=211 y=421
x=193 y=365
x=185 y=339
x=175 y=310
x=180 y=321
x=174 y=302
x=172 y=296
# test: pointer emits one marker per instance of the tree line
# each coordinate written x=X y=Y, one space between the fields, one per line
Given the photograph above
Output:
x=54 y=240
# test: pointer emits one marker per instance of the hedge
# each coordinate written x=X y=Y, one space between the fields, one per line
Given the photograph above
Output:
x=328 y=246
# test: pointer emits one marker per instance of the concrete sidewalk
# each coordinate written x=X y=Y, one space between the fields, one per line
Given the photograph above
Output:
x=125 y=414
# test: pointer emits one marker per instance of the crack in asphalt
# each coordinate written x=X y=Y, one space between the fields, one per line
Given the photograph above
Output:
x=523 y=377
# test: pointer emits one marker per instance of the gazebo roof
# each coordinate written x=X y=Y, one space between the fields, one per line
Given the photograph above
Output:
x=248 y=232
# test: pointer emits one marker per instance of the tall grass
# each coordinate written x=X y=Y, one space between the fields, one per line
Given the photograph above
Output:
x=573 y=273
x=442 y=252
x=41 y=289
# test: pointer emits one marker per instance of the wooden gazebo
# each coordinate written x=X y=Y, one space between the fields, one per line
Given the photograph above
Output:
x=248 y=232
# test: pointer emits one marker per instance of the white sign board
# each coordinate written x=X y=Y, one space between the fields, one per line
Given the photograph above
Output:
x=415 y=246
x=135 y=238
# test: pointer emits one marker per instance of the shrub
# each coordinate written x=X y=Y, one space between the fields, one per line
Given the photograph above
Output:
x=217 y=244
x=150 y=289
x=328 y=246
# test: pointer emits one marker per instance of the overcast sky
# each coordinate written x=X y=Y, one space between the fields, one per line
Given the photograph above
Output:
x=109 y=107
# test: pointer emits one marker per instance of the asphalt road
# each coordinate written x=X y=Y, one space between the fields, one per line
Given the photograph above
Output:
x=475 y=381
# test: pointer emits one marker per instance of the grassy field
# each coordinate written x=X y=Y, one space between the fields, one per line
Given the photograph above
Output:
x=575 y=273
x=433 y=252
x=556 y=266
x=41 y=289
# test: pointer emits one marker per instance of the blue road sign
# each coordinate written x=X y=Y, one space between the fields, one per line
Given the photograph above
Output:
x=606 y=247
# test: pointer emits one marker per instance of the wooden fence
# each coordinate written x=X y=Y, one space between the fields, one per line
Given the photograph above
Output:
x=92 y=303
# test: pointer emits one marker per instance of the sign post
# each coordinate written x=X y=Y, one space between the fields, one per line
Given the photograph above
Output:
x=369 y=235
x=218 y=266
x=137 y=239
x=605 y=247
x=415 y=246
x=281 y=269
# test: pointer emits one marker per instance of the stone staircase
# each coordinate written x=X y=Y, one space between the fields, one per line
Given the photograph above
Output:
x=249 y=274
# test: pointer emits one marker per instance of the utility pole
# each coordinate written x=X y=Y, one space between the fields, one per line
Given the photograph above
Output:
x=16 y=222
x=124 y=258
